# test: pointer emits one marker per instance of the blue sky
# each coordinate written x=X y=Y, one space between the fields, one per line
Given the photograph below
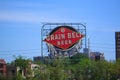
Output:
x=21 y=21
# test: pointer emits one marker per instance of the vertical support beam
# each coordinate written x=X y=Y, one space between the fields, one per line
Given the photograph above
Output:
x=42 y=41
x=89 y=48
x=85 y=37
x=85 y=34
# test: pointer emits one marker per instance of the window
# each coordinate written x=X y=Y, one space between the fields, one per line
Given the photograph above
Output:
x=1 y=65
x=13 y=72
x=1 y=72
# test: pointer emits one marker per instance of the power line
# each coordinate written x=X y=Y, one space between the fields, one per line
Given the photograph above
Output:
x=103 y=47
x=19 y=53
x=102 y=43
x=20 y=50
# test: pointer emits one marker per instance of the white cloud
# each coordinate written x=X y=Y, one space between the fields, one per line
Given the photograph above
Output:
x=31 y=17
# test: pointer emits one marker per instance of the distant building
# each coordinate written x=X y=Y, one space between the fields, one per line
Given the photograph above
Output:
x=34 y=67
x=97 y=56
x=2 y=67
x=41 y=59
x=11 y=70
x=117 y=44
x=86 y=50
x=37 y=58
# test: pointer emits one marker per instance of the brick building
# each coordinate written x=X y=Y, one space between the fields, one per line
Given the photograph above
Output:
x=117 y=44
x=2 y=67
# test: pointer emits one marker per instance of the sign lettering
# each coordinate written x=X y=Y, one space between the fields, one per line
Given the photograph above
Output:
x=64 y=38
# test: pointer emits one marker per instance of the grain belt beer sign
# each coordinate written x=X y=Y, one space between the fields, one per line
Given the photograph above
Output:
x=63 y=37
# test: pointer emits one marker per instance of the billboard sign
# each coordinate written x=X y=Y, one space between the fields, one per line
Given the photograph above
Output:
x=63 y=37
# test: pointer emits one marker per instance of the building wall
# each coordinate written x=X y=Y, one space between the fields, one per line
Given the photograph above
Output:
x=34 y=67
x=117 y=42
x=11 y=71
x=2 y=67
x=97 y=56
x=37 y=58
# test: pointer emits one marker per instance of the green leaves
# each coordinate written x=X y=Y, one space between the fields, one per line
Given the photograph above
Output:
x=78 y=67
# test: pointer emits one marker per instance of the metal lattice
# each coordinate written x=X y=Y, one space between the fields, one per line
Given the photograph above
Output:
x=48 y=49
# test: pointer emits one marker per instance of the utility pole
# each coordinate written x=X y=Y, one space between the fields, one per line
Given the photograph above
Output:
x=89 y=48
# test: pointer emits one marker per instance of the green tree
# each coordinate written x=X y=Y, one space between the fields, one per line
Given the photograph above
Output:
x=78 y=67
x=115 y=70
x=23 y=65
x=21 y=62
x=19 y=77
x=41 y=72
x=2 y=77
x=57 y=71
x=77 y=58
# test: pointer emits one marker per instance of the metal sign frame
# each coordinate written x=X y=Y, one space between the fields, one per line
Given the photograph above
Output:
x=48 y=27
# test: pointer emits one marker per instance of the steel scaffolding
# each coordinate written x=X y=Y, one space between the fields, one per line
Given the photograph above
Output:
x=48 y=27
